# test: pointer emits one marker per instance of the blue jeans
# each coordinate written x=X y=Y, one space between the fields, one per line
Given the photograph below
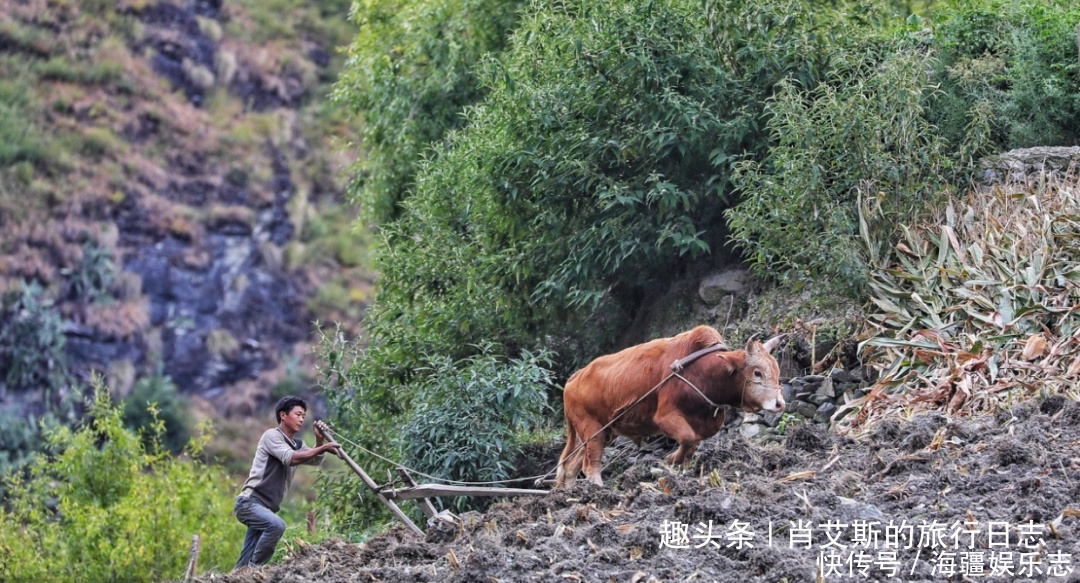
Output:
x=263 y=533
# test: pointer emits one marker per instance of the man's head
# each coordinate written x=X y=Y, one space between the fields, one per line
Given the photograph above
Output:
x=286 y=405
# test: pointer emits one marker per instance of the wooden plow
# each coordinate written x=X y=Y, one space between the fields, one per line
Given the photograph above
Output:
x=389 y=494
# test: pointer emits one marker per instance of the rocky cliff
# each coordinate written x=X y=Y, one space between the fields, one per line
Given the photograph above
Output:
x=169 y=191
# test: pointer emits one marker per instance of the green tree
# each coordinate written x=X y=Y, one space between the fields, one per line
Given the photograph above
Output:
x=861 y=135
x=409 y=75
x=596 y=168
x=103 y=507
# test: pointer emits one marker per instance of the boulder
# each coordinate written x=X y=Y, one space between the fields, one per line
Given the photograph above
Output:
x=824 y=412
x=719 y=286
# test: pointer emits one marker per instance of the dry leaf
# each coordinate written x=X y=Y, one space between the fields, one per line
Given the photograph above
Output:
x=1073 y=368
x=797 y=476
x=1035 y=347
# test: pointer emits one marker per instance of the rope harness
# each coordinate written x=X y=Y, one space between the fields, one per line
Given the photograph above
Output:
x=676 y=368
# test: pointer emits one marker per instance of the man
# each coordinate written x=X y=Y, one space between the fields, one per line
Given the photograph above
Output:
x=276 y=458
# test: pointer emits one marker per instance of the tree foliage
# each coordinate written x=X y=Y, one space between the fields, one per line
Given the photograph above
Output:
x=410 y=72
x=1010 y=69
x=861 y=135
x=103 y=507
x=595 y=168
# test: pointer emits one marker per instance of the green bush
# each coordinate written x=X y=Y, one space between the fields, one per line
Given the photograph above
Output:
x=32 y=342
x=1010 y=65
x=154 y=399
x=464 y=422
x=105 y=508
x=464 y=425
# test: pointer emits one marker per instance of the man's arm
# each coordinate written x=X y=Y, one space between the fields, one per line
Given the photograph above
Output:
x=306 y=455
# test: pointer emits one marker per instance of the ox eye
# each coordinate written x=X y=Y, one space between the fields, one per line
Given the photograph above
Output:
x=758 y=374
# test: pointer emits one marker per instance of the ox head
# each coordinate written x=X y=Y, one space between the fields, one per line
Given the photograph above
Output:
x=761 y=377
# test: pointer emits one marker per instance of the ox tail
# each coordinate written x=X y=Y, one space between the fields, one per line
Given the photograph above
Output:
x=567 y=470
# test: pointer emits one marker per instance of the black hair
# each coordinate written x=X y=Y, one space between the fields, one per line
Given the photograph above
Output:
x=286 y=404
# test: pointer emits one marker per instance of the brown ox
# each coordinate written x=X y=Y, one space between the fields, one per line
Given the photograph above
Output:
x=608 y=387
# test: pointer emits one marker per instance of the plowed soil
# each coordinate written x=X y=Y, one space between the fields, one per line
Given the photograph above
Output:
x=946 y=499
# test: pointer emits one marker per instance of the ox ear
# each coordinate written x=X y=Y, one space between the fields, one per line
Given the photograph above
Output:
x=729 y=367
x=773 y=342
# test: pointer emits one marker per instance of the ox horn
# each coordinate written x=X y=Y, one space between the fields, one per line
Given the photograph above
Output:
x=773 y=342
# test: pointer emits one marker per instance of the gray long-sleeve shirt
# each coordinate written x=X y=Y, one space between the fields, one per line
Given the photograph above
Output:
x=272 y=470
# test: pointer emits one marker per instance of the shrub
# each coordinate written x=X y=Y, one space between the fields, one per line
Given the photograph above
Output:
x=464 y=425
x=157 y=411
x=105 y=508
x=1012 y=66
x=32 y=342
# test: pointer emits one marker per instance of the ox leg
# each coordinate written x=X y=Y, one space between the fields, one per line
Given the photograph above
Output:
x=676 y=427
x=594 y=451
x=683 y=454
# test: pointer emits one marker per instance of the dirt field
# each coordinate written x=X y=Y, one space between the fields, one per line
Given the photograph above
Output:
x=958 y=496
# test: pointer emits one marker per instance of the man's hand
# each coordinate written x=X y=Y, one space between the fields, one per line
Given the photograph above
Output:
x=333 y=447
x=322 y=433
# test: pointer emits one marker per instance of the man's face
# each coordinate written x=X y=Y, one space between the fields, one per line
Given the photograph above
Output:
x=294 y=418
